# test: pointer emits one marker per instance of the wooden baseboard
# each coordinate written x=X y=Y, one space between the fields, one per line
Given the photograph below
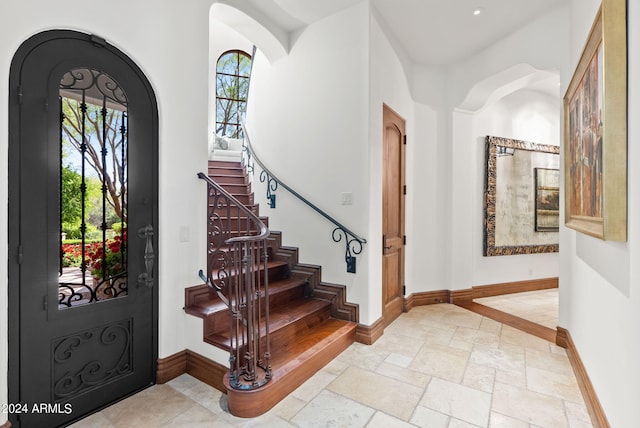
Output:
x=337 y=295
x=468 y=294
x=426 y=298
x=596 y=412
x=206 y=370
x=369 y=334
x=171 y=367
x=514 y=287
x=461 y=296
x=194 y=364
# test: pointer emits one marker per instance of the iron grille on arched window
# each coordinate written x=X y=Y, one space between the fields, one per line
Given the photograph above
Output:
x=233 y=70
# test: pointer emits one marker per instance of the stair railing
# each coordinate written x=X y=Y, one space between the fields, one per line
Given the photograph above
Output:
x=353 y=242
x=237 y=271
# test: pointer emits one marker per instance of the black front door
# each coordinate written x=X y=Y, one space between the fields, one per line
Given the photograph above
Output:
x=82 y=225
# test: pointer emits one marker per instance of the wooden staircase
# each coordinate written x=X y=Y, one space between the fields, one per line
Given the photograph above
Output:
x=310 y=321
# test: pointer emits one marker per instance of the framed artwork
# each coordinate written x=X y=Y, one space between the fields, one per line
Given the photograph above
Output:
x=515 y=170
x=547 y=199
x=595 y=130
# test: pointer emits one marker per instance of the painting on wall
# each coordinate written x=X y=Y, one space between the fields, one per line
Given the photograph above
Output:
x=595 y=122
x=547 y=188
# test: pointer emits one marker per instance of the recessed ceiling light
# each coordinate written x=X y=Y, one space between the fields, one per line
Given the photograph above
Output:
x=477 y=11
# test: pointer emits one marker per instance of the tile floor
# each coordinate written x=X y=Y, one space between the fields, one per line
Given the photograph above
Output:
x=539 y=306
x=436 y=366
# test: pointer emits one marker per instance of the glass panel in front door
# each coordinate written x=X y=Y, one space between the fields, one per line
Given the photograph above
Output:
x=93 y=188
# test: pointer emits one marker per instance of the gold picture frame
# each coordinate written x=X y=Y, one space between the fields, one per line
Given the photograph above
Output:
x=595 y=130
x=498 y=239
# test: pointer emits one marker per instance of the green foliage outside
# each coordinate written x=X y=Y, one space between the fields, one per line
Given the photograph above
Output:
x=117 y=227
x=71 y=197
x=101 y=132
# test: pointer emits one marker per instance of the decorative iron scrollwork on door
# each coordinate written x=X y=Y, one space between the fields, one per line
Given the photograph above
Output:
x=90 y=358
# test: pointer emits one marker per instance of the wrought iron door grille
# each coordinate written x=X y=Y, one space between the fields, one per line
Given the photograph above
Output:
x=93 y=188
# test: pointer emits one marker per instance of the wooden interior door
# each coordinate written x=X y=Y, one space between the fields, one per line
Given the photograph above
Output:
x=393 y=190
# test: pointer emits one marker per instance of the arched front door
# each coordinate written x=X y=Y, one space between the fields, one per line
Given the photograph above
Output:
x=83 y=165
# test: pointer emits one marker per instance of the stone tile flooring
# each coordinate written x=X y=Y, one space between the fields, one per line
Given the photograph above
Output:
x=436 y=366
x=539 y=306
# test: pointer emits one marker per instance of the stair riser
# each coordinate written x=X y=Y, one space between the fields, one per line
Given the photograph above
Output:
x=234 y=211
x=283 y=297
x=281 y=336
x=275 y=272
x=212 y=171
x=242 y=224
x=224 y=164
x=245 y=199
x=237 y=189
x=225 y=179
x=218 y=322
x=284 y=335
x=232 y=250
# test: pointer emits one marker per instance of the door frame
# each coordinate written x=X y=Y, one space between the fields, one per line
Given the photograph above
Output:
x=14 y=192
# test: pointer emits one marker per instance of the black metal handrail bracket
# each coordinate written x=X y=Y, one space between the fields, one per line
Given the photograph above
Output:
x=236 y=270
x=353 y=243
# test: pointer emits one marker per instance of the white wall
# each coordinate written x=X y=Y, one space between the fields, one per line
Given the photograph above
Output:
x=175 y=59
x=519 y=62
x=599 y=281
x=298 y=136
x=308 y=122
x=424 y=259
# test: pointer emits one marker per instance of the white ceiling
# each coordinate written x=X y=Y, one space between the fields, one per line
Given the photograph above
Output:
x=432 y=32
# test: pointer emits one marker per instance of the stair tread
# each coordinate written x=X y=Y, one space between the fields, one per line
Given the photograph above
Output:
x=223 y=162
x=236 y=195
x=271 y=265
x=230 y=172
x=279 y=317
x=263 y=218
x=214 y=304
x=328 y=330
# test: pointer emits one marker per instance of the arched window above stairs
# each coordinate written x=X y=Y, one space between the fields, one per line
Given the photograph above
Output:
x=233 y=71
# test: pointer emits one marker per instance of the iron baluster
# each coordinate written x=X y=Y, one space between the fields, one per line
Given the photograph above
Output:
x=234 y=238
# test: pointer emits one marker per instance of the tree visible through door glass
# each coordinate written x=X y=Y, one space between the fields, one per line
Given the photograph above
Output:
x=93 y=188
